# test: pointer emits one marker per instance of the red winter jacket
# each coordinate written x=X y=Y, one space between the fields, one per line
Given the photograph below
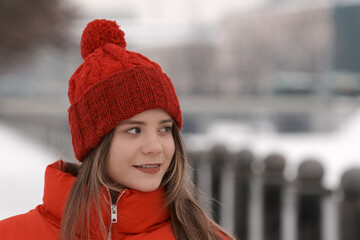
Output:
x=139 y=215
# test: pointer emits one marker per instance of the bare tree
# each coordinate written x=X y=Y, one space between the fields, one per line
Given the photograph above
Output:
x=28 y=25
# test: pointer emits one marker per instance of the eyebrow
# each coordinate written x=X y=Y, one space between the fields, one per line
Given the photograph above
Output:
x=133 y=122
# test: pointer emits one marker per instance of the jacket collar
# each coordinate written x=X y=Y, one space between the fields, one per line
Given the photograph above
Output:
x=137 y=211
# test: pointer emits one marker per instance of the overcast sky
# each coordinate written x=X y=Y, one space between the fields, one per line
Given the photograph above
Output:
x=180 y=11
x=157 y=21
x=173 y=11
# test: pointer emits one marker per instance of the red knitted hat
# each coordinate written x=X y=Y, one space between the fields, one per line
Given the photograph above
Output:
x=113 y=84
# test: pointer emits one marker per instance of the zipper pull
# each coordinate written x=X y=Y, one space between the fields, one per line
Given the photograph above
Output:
x=113 y=214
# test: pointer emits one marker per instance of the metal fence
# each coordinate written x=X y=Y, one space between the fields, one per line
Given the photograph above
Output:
x=254 y=201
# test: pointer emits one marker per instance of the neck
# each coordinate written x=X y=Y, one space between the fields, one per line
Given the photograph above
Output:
x=114 y=195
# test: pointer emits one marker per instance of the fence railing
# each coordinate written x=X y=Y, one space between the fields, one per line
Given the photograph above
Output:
x=254 y=200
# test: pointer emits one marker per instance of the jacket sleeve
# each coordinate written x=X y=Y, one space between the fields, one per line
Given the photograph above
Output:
x=31 y=225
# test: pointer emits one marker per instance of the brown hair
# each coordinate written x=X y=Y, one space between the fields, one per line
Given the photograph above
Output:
x=189 y=222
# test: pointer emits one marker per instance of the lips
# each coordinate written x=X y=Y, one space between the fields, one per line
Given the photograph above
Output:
x=148 y=168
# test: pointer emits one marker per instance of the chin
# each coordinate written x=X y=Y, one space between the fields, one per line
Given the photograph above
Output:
x=146 y=188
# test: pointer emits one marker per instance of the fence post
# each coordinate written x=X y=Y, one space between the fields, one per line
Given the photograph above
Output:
x=349 y=208
x=243 y=161
x=219 y=157
x=200 y=173
x=310 y=194
x=273 y=186
x=194 y=158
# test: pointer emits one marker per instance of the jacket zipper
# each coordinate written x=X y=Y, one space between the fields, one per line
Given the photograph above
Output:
x=113 y=209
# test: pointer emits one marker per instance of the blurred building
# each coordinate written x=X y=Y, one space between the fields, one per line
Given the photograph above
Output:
x=278 y=49
x=255 y=47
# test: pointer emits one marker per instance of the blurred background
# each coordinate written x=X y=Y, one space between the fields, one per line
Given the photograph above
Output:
x=273 y=85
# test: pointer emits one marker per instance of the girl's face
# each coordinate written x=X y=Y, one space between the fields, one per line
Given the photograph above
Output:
x=141 y=150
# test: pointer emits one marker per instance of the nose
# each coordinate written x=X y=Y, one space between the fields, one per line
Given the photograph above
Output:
x=152 y=145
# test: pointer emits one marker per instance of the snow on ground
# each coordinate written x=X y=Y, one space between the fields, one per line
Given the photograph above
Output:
x=23 y=164
x=337 y=151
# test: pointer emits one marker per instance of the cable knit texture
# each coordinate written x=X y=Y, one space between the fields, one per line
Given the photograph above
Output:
x=113 y=84
x=141 y=215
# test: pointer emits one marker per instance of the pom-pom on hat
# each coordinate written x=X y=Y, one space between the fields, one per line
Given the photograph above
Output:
x=113 y=84
x=98 y=33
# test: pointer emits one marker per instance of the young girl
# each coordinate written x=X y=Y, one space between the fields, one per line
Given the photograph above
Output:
x=125 y=120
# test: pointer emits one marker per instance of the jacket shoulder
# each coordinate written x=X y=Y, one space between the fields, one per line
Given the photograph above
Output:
x=31 y=225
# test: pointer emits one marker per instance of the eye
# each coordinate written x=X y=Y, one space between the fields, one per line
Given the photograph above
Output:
x=166 y=129
x=134 y=130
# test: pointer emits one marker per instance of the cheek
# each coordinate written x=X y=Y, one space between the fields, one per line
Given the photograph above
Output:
x=116 y=158
x=118 y=149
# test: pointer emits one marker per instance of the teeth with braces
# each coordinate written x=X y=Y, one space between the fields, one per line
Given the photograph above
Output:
x=148 y=166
